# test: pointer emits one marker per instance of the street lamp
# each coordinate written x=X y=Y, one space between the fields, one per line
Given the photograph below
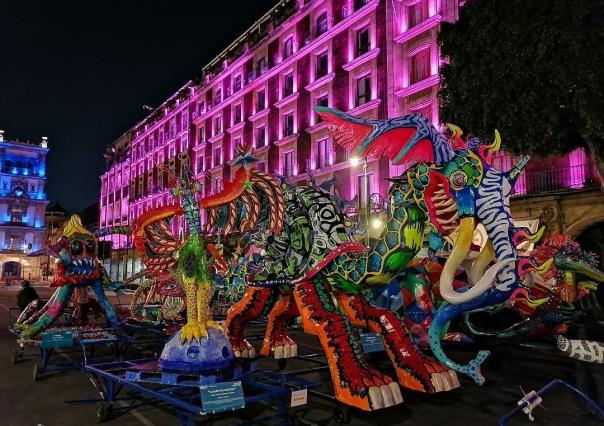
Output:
x=376 y=223
x=354 y=161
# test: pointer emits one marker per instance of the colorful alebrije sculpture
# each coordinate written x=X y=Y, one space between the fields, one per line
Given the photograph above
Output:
x=77 y=267
x=201 y=343
x=544 y=302
x=448 y=186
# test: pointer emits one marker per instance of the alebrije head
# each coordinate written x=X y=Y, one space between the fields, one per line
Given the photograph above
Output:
x=82 y=242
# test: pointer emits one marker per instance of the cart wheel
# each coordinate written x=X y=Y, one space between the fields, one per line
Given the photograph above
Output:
x=35 y=374
x=341 y=414
x=103 y=411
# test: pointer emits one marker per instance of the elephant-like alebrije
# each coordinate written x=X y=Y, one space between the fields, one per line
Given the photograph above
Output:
x=309 y=261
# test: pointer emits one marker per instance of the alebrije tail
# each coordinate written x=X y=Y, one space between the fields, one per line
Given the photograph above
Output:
x=472 y=368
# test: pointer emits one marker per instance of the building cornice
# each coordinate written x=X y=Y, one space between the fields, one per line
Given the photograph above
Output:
x=361 y=60
x=287 y=100
x=418 y=87
x=428 y=24
x=260 y=114
x=320 y=82
x=368 y=106
x=236 y=127
x=286 y=140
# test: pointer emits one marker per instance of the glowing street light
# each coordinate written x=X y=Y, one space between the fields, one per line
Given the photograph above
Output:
x=354 y=161
x=376 y=223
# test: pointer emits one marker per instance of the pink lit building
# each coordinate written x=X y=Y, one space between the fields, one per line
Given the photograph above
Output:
x=371 y=58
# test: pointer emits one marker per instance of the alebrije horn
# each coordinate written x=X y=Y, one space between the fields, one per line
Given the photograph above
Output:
x=487 y=152
x=523 y=235
x=517 y=169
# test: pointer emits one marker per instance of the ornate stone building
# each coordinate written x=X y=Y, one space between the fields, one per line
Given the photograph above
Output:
x=22 y=206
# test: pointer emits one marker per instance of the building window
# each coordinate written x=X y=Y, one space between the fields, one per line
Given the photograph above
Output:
x=150 y=181
x=288 y=48
x=420 y=66
x=184 y=143
x=261 y=66
x=236 y=143
x=359 y=4
x=323 y=153
x=416 y=13
x=363 y=90
x=288 y=124
x=217 y=184
x=260 y=137
x=217 y=125
x=260 y=100
x=321 y=24
x=200 y=107
x=217 y=96
x=200 y=164
x=288 y=163
x=237 y=115
x=362 y=41
x=322 y=68
x=217 y=156
x=323 y=100
x=237 y=83
x=288 y=84
x=202 y=135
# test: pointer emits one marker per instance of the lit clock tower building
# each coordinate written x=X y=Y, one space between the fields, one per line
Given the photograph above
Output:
x=22 y=207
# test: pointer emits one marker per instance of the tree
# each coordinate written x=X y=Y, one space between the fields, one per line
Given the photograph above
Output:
x=533 y=69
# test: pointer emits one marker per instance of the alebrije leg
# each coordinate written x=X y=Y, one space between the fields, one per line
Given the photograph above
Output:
x=101 y=297
x=414 y=370
x=255 y=301
x=55 y=309
x=355 y=383
x=276 y=341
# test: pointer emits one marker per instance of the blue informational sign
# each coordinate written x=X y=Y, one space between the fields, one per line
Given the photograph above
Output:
x=57 y=339
x=371 y=342
x=223 y=396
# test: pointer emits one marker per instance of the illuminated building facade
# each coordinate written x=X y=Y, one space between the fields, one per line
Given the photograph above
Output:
x=370 y=58
x=22 y=207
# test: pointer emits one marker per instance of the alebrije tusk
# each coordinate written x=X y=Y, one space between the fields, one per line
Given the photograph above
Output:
x=544 y=267
x=496 y=145
x=537 y=235
x=455 y=130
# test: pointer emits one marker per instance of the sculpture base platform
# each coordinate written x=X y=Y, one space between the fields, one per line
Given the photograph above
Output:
x=197 y=356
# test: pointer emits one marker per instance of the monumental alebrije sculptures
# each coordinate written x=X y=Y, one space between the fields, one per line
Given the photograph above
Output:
x=77 y=267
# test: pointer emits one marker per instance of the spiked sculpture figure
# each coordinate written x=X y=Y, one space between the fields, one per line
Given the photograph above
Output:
x=77 y=267
x=201 y=343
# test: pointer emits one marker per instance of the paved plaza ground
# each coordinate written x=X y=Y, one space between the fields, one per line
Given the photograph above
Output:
x=24 y=402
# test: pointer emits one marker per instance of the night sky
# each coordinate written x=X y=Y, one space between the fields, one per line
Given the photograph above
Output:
x=80 y=71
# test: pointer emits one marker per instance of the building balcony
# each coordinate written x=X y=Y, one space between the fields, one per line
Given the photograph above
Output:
x=557 y=180
x=23 y=171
